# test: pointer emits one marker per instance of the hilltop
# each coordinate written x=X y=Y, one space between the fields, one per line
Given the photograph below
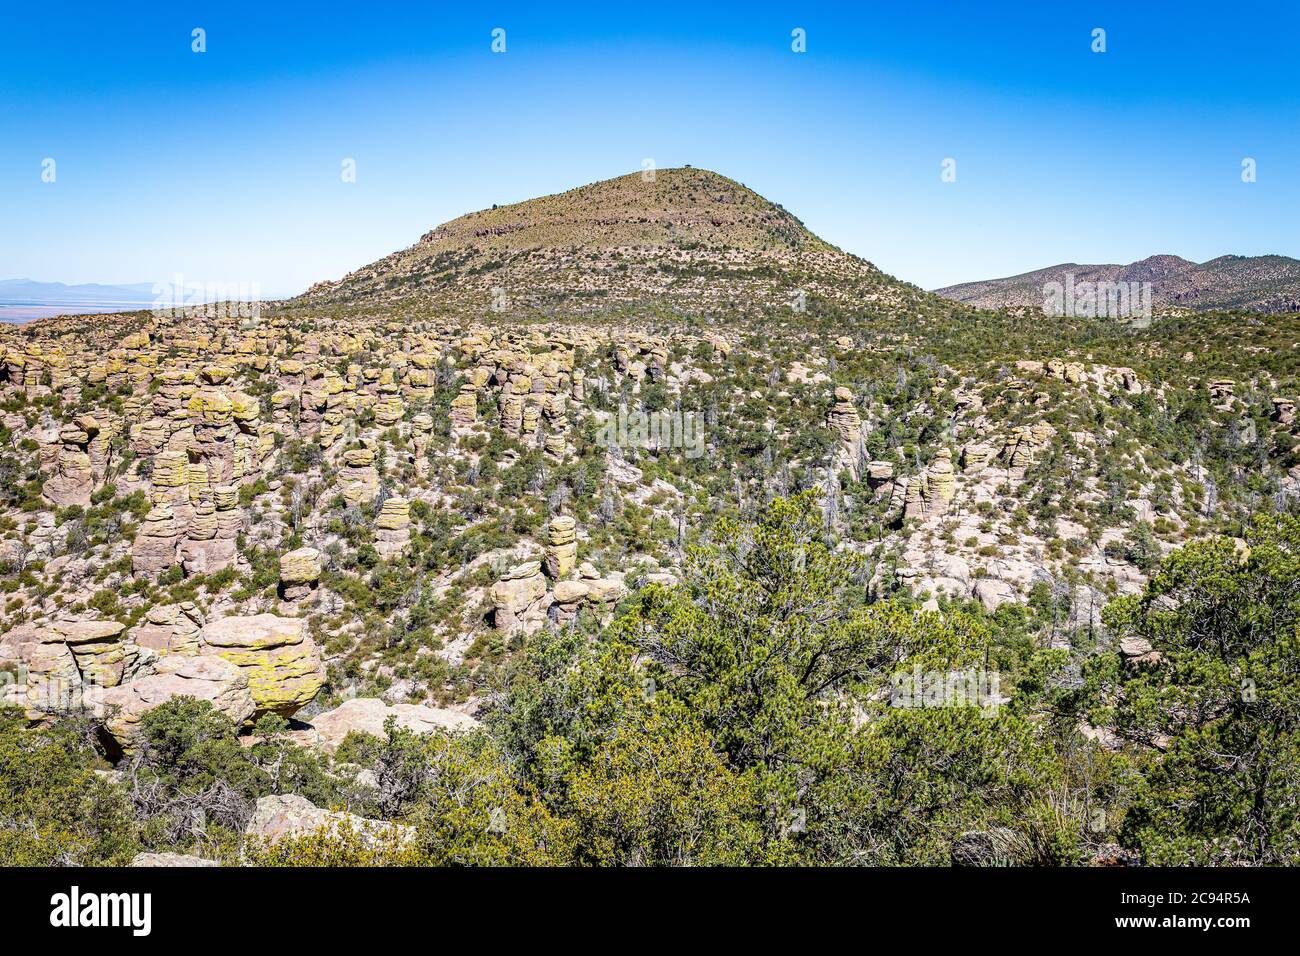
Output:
x=1246 y=283
x=688 y=239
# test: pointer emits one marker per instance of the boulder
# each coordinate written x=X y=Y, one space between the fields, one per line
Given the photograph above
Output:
x=204 y=678
x=519 y=599
x=282 y=664
x=300 y=573
x=290 y=815
x=368 y=714
x=170 y=859
x=993 y=593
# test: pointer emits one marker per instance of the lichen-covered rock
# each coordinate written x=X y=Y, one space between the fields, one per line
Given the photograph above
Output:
x=281 y=663
x=464 y=407
x=358 y=477
x=561 y=547
x=300 y=573
x=975 y=458
x=393 y=527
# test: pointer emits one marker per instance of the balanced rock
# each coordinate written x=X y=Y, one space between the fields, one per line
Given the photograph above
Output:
x=73 y=479
x=561 y=548
x=843 y=419
x=300 y=573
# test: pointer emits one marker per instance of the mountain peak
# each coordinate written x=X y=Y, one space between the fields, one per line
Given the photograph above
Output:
x=687 y=238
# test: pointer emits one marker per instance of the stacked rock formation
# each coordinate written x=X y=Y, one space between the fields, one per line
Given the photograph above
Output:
x=283 y=666
x=843 y=419
x=561 y=547
x=358 y=477
x=210 y=539
x=520 y=598
x=421 y=434
x=72 y=657
x=170 y=629
x=929 y=493
x=300 y=573
x=393 y=527
x=464 y=407
x=975 y=458
x=73 y=478
x=212 y=417
x=155 y=546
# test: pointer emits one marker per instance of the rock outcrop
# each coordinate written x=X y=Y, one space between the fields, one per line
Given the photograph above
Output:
x=203 y=677
x=281 y=663
x=393 y=527
x=368 y=715
x=520 y=599
x=300 y=573
x=289 y=816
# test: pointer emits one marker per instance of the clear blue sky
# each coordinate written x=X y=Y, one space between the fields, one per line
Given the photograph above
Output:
x=225 y=166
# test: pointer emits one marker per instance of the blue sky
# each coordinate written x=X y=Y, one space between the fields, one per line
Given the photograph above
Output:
x=225 y=166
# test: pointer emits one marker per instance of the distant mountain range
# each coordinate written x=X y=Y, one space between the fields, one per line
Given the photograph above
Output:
x=685 y=239
x=1249 y=283
x=28 y=291
x=22 y=300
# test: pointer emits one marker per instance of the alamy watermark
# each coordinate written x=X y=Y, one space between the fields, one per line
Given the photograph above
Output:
x=211 y=300
x=1101 y=300
x=654 y=431
x=971 y=687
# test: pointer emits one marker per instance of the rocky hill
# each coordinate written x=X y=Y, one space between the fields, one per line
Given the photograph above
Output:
x=1253 y=283
x=686 y=240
